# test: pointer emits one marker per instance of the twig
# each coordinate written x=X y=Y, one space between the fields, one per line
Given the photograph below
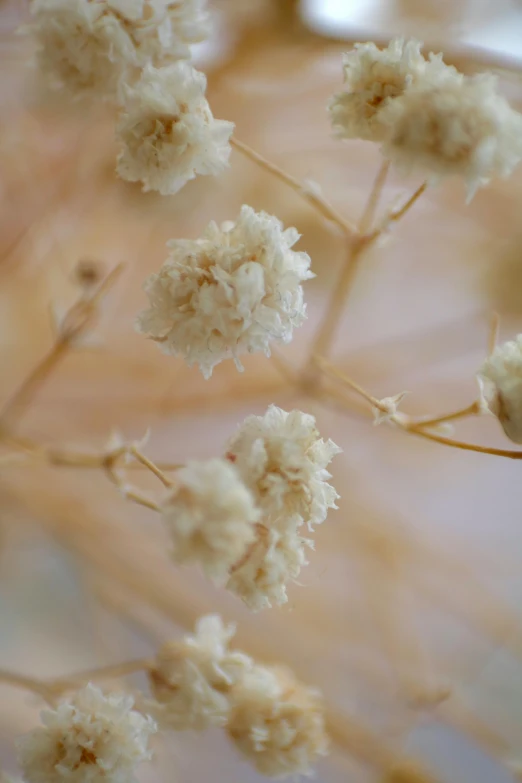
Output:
x=373 y=201
x=461 y=413
x=357 y=247
x=146 y=462
x=494 y=325
x=50 y=689
x=314 y=199
x=77 y=319
x=409 y=427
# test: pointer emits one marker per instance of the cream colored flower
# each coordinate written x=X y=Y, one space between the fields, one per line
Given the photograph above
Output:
x=92 y=738
x=210 y=515
x=500 y=379
x=233 y=291
x=388 y=409
x=283 y=461
x=374 y=78
x=277 y=722
x=261 y=577
x=88 y=47
x=461 y=127
x=167 y=132
x=192 y=679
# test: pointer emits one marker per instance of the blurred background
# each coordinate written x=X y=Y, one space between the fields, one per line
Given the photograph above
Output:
x=414 y=589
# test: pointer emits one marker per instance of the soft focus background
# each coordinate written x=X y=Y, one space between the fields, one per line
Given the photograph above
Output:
x=415 y=586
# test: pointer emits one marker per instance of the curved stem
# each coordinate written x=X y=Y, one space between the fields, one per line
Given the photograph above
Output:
x=412 y=428
x=147 y=463
x=469 y=410
x=314 y=199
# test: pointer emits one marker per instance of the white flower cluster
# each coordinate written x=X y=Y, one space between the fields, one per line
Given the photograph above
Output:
x=90 y=47
x=241 y=517
x=167 y=132
x=274 y=720
x=92 y=738
x=211 y=516
x=192 y=679
x=232 y=292
x=500 y=379
x=428 y=117
x=277 y=722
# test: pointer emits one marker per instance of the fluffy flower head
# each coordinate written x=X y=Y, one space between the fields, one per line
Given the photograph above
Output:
x=193 y=678
x=210 y=515
x=92 y=738
x=500 y=378
x=374 y=78
x=88 y=47
x=283 y=461
x=275 y=559
x=461 y=127
x=228 y=293
x=277 y=722
x=167 y=132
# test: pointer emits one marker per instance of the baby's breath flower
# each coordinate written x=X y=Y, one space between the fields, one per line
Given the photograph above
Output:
x=92 y=738
x=276 y=558
x=374 y=78
x=277 y=722
x=167 y=132
x=283 y=461
x=88 y=47
x=231 y=292
x=210 y=515
x=192 y=679
x=500 y=379
x=461 y=127
x=388 y=408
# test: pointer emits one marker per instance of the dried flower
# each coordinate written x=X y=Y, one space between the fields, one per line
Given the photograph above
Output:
x=233 y=291
x=92 y=738
x=193 y=678
x=275 y=559
x=89 y=47
x=375 y=78
x=167 y=131
x=211 y=516
x=460 y=127
x=500 y=379
x=277 y=722
x=283 y=461
x=387 y=410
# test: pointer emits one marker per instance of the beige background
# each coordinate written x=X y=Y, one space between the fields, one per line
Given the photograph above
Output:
x=415 y=582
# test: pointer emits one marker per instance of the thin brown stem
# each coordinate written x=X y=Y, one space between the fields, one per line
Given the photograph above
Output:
x=494 y=325
x=370 y=209
x=313 y=198
x=101 y=673
x=357 y=247
x=130 y=493
x=461 y=413
x=37 y=687
x=77 y=319
x=146 y=462
x=409 y=427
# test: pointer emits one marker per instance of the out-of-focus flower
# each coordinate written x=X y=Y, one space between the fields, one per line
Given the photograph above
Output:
x=192 y=679
x=89 y=47
x=500 y=379
x=92 y=738
x=277 y=722
x=210 y=515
